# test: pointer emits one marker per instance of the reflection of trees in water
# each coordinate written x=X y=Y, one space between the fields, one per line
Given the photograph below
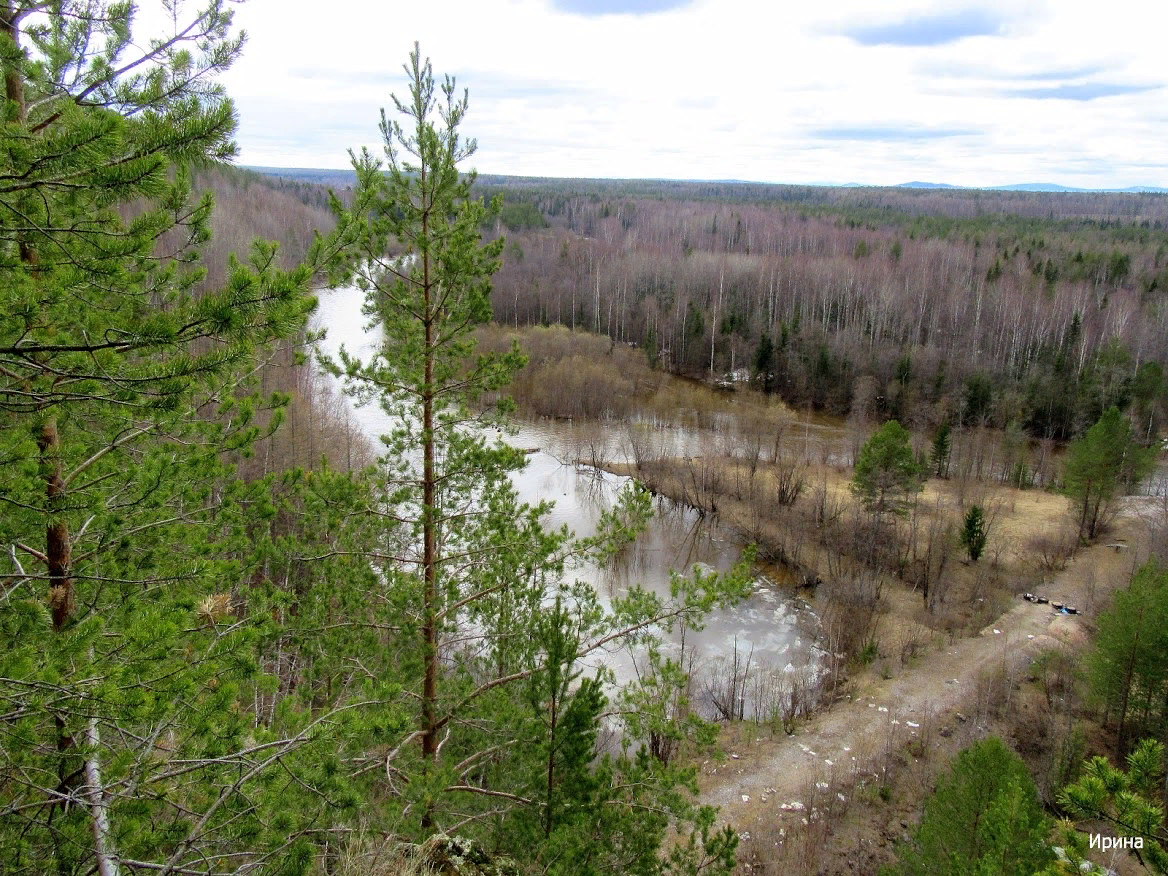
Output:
x=677 y=538
x=594 y=490
x=633 y=565
x=692 y=535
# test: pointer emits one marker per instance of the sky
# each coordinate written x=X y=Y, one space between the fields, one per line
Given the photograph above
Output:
x=878 y=92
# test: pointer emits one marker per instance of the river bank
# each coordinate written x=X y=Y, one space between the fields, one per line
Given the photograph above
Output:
x=835 y=797
x=834 y=792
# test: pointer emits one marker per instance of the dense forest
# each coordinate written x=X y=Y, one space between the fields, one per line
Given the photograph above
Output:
x=240 y=635
x=1037 y=310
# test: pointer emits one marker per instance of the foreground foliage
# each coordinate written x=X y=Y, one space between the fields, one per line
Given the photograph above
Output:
x=984 y=818
x=498 y=726
x=1129 y=667
x=204 y=673
x=1128 y=802
x=130 y=642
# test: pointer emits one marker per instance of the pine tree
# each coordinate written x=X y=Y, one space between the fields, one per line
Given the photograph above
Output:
x=469 y=569
x=128 y=643
x=984 y=818
x=1129 y=802
x=1128 y=670
x=887 y=474
x=1101 y=463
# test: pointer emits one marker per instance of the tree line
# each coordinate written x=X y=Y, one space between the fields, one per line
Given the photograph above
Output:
x=984 y=319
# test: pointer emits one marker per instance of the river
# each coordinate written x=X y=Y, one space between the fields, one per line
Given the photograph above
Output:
x=774 y=629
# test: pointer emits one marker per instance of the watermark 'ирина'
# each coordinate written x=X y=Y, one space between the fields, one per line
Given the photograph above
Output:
x=1099 y=841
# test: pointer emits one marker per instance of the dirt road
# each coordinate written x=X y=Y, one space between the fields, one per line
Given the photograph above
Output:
x=951 y=679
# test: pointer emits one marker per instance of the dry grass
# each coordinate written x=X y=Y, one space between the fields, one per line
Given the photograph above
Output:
x=575 y=374
x=824 y=538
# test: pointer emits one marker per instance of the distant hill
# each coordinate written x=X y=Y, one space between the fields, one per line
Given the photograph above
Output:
x=325 y=176
x=1035 y=187
x=345 y=178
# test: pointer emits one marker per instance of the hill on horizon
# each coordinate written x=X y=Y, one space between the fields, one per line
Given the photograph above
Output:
x=344 y=177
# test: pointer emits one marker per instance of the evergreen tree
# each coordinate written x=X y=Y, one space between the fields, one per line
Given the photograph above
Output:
x=942 y=446
x=1129 y=802
x=130 y=636
x=650 y=346
x=496 y=727
x=974 y=532
x=984 y=818
x=1129 y=669
x=764 y=363
x=1101 y=463
x=979 y=393
x=887 y=474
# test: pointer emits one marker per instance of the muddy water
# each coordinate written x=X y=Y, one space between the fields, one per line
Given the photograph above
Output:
x=777 y=631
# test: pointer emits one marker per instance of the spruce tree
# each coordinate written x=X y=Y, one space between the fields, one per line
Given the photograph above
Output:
x=764 y=363
x=974 y=532
x=942 y=445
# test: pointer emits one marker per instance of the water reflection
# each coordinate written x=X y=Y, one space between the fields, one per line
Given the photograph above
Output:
x=778 y=631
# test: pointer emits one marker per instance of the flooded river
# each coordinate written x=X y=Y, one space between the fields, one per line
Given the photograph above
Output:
x=776 y=629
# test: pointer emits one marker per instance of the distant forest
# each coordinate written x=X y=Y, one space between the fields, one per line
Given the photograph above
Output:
x=1035 y=311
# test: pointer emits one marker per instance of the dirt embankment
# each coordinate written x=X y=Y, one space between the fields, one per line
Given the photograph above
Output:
x=819 y=801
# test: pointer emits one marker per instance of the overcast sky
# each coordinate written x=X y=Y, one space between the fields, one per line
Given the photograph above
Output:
x=869 y=91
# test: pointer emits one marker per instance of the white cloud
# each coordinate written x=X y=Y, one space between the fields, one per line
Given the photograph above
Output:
x=1049 y=91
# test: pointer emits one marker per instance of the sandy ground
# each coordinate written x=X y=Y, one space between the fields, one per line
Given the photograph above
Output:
x=938 y=682
x=768 y=781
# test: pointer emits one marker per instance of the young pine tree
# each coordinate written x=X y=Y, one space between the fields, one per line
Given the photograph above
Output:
x=494 y=743
x=1105 y=461
x=984 y=818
